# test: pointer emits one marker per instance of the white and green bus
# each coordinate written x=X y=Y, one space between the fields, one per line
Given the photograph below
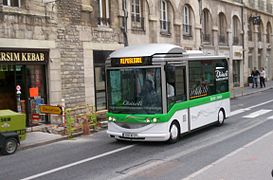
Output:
x=156 y=92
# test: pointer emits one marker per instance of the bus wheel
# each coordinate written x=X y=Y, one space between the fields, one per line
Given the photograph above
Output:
x=174 y=133
x=221 y=117
x=10 y=146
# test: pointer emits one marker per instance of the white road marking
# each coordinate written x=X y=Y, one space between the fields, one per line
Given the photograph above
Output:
x=257 y=113
x=266 y=102
x=77 y=163
x=197 y=173
x=271 y=117
x=239 y=111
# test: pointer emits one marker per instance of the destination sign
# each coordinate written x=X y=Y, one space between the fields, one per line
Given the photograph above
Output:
x=131 y=61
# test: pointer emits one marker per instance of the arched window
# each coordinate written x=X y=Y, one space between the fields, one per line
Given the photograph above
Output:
x=206 y=23
x=236 y=31
x=260 y=32
x=268 y=32
x=222 y=29
x=186 y=21
x=164 y=26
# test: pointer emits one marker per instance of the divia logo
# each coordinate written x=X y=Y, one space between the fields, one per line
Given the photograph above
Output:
x=221 y=74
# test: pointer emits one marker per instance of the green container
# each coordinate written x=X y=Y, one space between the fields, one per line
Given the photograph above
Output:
x=11 y=121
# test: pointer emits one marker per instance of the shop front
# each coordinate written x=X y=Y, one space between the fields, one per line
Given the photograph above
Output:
x=23 y=82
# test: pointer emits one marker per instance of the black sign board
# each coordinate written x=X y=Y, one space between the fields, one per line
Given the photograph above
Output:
x=24 y=56
x=131 y=61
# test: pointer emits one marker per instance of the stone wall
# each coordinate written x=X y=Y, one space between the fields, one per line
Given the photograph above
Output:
x=71 y=52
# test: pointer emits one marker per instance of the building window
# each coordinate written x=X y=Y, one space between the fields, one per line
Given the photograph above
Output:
x=252 y=3
x=269 y=6
x=268 y=32
x=186 y=23
x=12 y=3
x=164 y=24
x=222 y=29
x=206 y=26
x=260 y=33
x=236 y=31
x=137 y=17
x=104 y=13
x=261 y=4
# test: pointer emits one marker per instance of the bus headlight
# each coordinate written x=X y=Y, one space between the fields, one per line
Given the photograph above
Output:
x=110 y=118
x=147 y=120
x=114 y=119
x=154 y=120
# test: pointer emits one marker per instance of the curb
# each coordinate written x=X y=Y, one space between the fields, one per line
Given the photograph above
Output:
x=249 y=93
x=47 y=142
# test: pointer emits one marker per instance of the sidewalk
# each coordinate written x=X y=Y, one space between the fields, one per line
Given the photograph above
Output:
x=237 y=92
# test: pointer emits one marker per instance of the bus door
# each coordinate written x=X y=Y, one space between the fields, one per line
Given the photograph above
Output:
x=176 y=93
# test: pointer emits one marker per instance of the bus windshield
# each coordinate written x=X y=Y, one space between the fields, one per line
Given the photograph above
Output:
x=134 y=90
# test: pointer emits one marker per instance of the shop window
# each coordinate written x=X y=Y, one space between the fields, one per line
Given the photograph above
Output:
x=12 y=3
x=32 y=82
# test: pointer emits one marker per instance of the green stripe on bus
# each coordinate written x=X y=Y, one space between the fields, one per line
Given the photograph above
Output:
x=141 y=118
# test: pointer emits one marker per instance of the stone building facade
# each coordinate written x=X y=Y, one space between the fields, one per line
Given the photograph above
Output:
x=76 y=36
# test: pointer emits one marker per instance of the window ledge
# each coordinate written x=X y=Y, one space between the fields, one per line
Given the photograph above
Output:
x=138 y=30
x=103 y=28
x=9 y=9
x=165 y=34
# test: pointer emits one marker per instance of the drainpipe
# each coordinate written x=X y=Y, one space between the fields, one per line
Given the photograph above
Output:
x=243 y=39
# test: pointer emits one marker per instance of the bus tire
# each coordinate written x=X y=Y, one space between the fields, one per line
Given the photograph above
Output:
x=221 y=117
x=174 y=132
x=10 y=146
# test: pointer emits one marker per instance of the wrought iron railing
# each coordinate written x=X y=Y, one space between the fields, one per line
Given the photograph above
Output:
x=104 y=21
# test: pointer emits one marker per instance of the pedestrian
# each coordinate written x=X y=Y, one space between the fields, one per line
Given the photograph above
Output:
x=255 y=74
x=262 y=77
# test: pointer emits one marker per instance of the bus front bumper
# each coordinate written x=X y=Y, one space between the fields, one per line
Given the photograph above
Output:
x=151 y=132
x=139 y=136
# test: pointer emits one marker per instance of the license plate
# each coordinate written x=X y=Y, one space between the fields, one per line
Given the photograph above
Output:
x=129 y=135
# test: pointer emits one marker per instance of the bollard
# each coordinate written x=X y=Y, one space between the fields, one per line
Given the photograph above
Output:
x=85 y=127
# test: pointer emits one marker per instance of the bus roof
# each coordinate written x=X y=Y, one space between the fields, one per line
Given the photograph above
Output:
x=146 y=50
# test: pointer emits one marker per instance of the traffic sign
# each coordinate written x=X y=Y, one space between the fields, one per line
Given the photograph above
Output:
x=18 y=87
x=47 y=109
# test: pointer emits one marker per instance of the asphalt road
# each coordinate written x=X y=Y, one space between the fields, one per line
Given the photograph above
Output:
x=100 y=157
